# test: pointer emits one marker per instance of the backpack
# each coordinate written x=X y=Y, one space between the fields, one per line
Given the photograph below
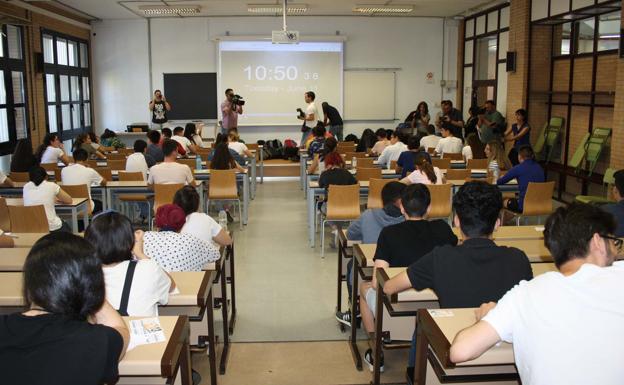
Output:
x=275 y=149
x=290 y=143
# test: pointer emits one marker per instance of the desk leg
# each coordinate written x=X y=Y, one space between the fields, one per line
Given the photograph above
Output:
x=85 y=216
x=311 y=235
x=261 y=165
x=420 y=368
x=378 y=331
x=224 y=312
x=253 y=177
x=232 y=288
x=245 y=199
x=74 y=219
x=301 y=173
x=339 y=281
x=185 y=364
x=355 y=352
x=305 y=185
x=212 y=351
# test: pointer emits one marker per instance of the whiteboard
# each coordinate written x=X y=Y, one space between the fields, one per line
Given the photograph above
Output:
x=369 y=95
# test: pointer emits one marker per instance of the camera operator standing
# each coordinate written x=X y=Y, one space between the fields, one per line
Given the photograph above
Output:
x=230 y=109
x=159 y=107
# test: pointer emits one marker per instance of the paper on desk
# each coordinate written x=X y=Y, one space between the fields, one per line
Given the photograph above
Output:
x=539 y=228
x=440 y=313
x=145 y=331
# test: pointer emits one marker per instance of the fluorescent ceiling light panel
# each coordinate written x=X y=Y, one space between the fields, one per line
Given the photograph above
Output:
x=164 y=10
x=383 y=9
x=276 y=8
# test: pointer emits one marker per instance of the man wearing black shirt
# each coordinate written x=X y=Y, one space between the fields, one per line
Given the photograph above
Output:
x=478 y=270
x=333 y=119
x=451 y=119
x=402 y=244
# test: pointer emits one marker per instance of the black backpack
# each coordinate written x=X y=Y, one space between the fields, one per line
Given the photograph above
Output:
x=275 y=149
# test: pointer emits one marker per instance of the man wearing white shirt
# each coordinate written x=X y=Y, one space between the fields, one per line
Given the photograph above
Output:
x=449 y=143
x=79 y=173
x=310 y=117
x=567 y=327
x=169 y=171
x=137 y=162
x=431 y=140
x=394 y=150
x=178 y=136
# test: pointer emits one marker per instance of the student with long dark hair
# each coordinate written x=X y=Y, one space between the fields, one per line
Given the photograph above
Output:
x=424 y=172
x=23 y=158
x=421 y=118
x=222 y=159
x=51 y=150
x=520 y=134
x=41 y=192
x=473 y=149
x=68 y=333
x=367 y=141
x=83 y=141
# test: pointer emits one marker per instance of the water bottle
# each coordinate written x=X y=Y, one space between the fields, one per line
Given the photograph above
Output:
x=354 y=162
x=198 y=162
x=223 y=219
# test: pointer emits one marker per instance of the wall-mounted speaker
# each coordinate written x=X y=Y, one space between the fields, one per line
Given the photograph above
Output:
x=39 y=62
x=511 y=61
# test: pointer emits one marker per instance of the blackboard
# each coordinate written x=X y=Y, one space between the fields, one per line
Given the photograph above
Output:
x=192 y=95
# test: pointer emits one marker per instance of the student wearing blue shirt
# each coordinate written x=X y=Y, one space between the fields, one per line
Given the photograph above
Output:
x=405 y=163
x=617 y=209
x=528 y=170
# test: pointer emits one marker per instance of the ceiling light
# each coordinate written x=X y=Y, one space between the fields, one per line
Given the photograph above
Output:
x=276 y=8
x=164 y=10
x=383 y=9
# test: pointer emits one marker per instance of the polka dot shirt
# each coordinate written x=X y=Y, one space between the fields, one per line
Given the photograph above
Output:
x=178 y=251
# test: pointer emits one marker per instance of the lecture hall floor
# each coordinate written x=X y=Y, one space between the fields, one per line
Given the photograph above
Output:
x=286 y=332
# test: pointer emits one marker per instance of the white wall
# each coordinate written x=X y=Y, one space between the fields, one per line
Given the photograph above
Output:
x=121 y=77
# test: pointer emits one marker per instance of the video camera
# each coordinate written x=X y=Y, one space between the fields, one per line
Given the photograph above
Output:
x=237 y=100
x=301 y=113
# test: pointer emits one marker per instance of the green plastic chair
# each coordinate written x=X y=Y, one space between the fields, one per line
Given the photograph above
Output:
x=548 y=136
x=579 y=154
x=595 y=145
x=608 y=180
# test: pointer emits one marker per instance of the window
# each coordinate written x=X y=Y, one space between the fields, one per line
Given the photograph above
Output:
x=585 y=36
x=68 y=90
x=609 y=31
x=13 y=111
x=562 y=35
x=486 y=58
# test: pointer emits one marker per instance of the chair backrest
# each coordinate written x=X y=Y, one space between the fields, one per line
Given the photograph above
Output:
x=460 y=174
x=5 y=220
x=538 y=198
x=431 y=150
x=50 y=166
x=453 y=156
x=607 y=179
x=92 y=163
x=105 y=172
x=441 y=163
x=349 y=155
x=365 y=162
x=19 y=176
x=116 y=156
x=126 y=176
x=117 y=164
x=363 y=174
x=252 y=146
x=6 y=242
x=163 y=193
x=76 y=190
x=477 y=163
x=57 y=175
x=393 y=164
x=374 y=192
x=346 y=147
x=440 y=206
x=222 y=185
x=28 y=219
x=343 y=202
x=187 y=161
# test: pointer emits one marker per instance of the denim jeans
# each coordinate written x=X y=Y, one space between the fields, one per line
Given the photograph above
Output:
x=304 y=137
x=336 y=131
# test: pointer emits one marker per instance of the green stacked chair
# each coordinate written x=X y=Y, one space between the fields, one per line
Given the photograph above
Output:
x=548 y=137
x=594 y=146
x=608 y=180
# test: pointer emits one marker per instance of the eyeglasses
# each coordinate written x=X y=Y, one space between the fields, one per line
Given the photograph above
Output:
x=617 y=242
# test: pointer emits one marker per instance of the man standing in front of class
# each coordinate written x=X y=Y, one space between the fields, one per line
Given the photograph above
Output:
x=230 y=112
x=159 y=107
x=310 y=117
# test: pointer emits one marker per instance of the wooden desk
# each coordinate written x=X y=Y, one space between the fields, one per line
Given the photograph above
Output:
x=12 y=259
x=362 y=257
x=26 y=239
x=513 y=233
x=77 y=205
x=345 y=252
x=535 y=249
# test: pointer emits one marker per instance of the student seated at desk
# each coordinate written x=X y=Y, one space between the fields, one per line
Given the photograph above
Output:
x=199 y=224
x=178 y=136
x=448 y=143
x=392 y=152
x=69 y=333
x=41 y=192
x=23 y=158
x=368 y=226
x=154 y=149
x=175 y=251
x=431 y=140
x=473 y=149
x=139 y=161
x=528 y=170
x=170 y=171
x=406 y=161
x=617 y=209
x=318 y=140
x=5 y=181
x=424 y=172
x=401 y=245
x=51 y=150
x=83 y=141
x=474 y=272
x=191 y=133
x=235 y=144
x=121 y=251
x=497 y=161
x=382 y=142
x=318 y=162
x=567 y=327
x=367 y=141
x=220 y=151
x=80 y=173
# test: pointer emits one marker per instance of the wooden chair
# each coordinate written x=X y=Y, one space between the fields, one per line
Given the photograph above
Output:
x=343 y=205
x=440 y=206
x=460 y=174
x=223 y=187
x=344 y=147
x=374 y=192
x=78 y=191
x=441 y=163
x=537 y=201
x=50 y=166
x=364 y=174
x=393 y=165
x=252 y=146
x=6 y=242
x=117 y=164
x=5 y=221
x=116 y=156
x=19 y=177
x=477 y=164
x=105 y=172
x=124 y=176
x=453 y=156
x=57 y=175
x=365 y=162
x=163 y=193
x=92 y=163
x=28 y=219
x=351 y=155
x=431 y=150
x=188 y=162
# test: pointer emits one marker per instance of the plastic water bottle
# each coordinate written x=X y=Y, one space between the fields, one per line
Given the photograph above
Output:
x=223 y=219
x=354 y=162
x=198 y=162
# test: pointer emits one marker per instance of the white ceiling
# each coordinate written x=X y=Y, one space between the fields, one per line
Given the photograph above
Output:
x=123 y=9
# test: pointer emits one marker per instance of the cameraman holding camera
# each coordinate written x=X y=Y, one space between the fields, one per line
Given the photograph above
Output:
x=230 y=109
x=159 y=107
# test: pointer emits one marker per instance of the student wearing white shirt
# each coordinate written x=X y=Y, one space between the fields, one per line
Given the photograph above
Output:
x=137 y=162
x=240 y=148
x=51 y=150
x=170 y=172
x=41 y=192
x=567 y=327
x=424 y=173
x=310 y=117
x=120 y=249
x=79 y=173
x=178 y=136
x=5 y=181
x=449 y=143
x=394 y=150
x=199 y=224
x=473 y=149
x=431 y=140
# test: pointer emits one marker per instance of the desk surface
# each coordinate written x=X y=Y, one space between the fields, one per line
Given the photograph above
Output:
x=13 y=259
x=513 y=232
x=193 y=287
x=20 y=202
x=364 y=252
x=25 y=239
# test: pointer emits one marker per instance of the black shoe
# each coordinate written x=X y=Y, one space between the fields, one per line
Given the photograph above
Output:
x=368 y=357
x=229 y=217
x=344 y=318
x=195 y=377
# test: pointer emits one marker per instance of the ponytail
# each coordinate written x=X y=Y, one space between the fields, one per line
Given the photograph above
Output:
x=425 y=167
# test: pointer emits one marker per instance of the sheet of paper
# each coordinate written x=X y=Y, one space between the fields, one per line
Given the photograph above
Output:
x=539 y=228
x=440 y=313
x=145 y=331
